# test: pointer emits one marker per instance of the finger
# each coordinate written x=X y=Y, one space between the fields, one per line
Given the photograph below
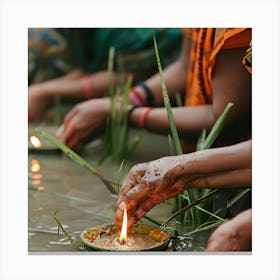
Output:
x=75 y=142
x=71 y=137
x=142 y=209
x=152 y=200
x=146 y=206
x=135 y=175
x=131 y=200
x=68 y=117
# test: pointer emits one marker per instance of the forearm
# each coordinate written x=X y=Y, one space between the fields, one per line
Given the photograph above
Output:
x=220 y=167
x=189 y=121
x=175 y=77
x=74 y=88
x=175 y=81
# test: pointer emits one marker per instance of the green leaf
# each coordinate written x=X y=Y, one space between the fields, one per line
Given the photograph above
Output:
x=75 y=157
x=217 y=128
x=237 y=197
x=167 y=105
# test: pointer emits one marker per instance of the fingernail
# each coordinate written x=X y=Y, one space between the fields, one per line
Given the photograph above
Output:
x=59 y=131
x=122 y=205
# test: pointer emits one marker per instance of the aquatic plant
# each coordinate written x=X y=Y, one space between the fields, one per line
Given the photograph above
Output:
x=116 y=141
x=60 y=226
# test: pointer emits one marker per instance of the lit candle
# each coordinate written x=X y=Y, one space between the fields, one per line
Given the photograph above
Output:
x=123 y=235
x=35 y=142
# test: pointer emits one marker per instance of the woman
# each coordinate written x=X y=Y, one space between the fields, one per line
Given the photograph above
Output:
x=73 y=62
x=210 y=74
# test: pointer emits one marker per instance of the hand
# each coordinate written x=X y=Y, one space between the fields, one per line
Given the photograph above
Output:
x=148 y=184
x=84 y=122
x=234 y=235
x=38 y=102
x=41 y=96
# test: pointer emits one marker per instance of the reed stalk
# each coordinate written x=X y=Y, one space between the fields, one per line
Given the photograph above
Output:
x=76 y=158
x=117 y=145
x=176 y=144
x=187 y=207
x=62 y=228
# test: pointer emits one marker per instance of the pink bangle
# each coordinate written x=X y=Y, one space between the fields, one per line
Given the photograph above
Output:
x=88 y=90
x=143 y=117
x=135 y=98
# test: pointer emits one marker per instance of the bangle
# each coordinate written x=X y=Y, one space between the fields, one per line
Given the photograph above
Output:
x=88 y=90
x=149 y=95
x=135 y=98
x=143 y=117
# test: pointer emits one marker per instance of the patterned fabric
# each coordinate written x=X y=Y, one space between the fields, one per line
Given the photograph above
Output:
x=48 y=54
x=54 y=52
x=206 y=44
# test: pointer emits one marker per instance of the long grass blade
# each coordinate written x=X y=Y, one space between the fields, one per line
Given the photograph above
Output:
x=80 y=161
x=209 y=213
x=62 y=228
x=237 y=197
x=217 y=128
x=185 y=208
x=167 y=105
x=213 y=225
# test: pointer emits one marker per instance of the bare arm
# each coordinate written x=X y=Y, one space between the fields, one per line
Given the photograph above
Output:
x=149 y=184
x=174 y=76
x=231 y=83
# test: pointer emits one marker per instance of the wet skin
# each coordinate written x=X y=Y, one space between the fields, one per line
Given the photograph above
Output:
x=149 y=184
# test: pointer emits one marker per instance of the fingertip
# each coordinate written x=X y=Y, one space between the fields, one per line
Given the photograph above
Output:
x=122 y=206
x=131 y=221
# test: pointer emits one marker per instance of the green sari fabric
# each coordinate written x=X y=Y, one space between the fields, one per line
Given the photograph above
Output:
x=55 y=51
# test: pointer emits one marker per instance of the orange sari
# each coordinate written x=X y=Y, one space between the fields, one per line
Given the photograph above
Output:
x=206 y=44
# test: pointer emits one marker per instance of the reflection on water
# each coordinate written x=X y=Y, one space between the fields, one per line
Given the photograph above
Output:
x=57 y=183
x=34 y=165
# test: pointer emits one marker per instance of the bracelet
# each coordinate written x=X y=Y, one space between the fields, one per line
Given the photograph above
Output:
x=136 y=98
x=143 y=117
x=88 y=90
x=129 y=112
x=149 y=95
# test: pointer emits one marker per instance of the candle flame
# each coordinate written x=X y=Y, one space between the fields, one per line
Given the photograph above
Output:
x=35 y=142
x=123 y=235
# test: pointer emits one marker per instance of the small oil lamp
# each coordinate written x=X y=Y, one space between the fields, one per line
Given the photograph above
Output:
x=140 y=237
x=35 y=142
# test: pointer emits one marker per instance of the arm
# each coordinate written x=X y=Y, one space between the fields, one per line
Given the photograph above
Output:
x=69 y=87
x=178 y=69
x=81 y=123
x=231 y=83
x=151 y=183
x=234 y=235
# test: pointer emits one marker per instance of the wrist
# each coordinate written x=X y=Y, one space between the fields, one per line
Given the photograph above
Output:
x=149 y=95
x=138 y=116
x=88 y=87
x=137 y=96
